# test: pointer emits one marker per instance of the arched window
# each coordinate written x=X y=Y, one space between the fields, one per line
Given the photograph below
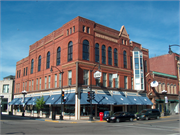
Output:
x=70 y=51
x=171 y=88
x=97 y=52
x=103 y=54
x=58 y=60
x=39 y=63
x=48 y=60
x=32 y=65
x=159 y=87
x=109 y=56
x=85 y=50
x=168 y=88
x=115 y=57
x=125 y=59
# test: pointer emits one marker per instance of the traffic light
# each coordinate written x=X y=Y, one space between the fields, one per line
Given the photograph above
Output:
x=93 y=95
x=62 y=95
x=89 y=96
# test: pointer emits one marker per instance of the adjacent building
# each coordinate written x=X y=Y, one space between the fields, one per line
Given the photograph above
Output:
x=67 y=59
x=165 y=70
x=7 y=90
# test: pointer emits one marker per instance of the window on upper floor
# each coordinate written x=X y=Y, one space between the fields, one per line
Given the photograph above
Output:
x=24 y=73
x=110 y=80
x=97 y=52
x=104 y=79
x=58 y=59
x=32 y=65
x=131 y=62
x=175 y=91
x=5 y=88
x=69 y=78
x=125 y=82
x=109 y=56
x=70 y=51
x=117 y=82
x=103 y=54
x=39 y=63
x=115 y=57
x=85 y=77
x=85 y=50
x=125 y=59
x=70 y=30
x=67 y=32
x=26 y=70
x=73 y=29
x=84 y=28
x=145 y=66
x=48 y=60
x=88 y=30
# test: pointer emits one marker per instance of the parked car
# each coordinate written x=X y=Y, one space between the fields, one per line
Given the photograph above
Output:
x=120 y=116
x=147 y=114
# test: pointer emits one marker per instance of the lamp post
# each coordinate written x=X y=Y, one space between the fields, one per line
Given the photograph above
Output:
x=1 y=97
x=170 y=51
x=91 y=115
x=24 y=92
x=61 y=72
x=164 y=93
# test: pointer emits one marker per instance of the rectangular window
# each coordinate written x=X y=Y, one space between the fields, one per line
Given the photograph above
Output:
x=88 y=30
x=97 y=81
x=45 y=82
x=85 y=76
x=6 y=88
x=104 y=79
x=131 y=64
x=49 y=82
x=125 y=82
x=117 y=82
x=60 y=78
x=70 y=30
x=32 y=84
x=37 y=84
x=110 y=80
x=26 y=70
x=29 y=85
x=25 y=85
x=19 y=73
x=69 y=77
x=84 y=29
x=55 y=78
x=67 y=32
x=73 y=29
x=131 y=82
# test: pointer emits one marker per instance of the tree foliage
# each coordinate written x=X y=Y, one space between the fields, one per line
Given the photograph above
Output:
x=40 y=103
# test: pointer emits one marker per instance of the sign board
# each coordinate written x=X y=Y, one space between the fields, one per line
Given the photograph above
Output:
x=97 y=74
x=154 y=84
x=115 y=75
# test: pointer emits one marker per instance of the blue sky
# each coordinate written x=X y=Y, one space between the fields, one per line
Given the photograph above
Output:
x=153 y=24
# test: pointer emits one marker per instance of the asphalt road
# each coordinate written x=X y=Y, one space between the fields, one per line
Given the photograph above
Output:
x=24 y=126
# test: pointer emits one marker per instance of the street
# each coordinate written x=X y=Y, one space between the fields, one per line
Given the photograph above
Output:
x=23 y=126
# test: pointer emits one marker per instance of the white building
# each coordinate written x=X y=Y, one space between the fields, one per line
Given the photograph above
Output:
x=7 y=90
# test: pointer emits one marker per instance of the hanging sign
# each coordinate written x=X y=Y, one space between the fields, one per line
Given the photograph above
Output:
x=97 y=74
x=115 y=75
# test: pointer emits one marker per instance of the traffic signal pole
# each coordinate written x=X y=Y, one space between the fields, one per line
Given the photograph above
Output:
x=91 y=115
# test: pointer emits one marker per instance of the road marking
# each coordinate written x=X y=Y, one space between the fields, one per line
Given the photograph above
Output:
x=52 y=121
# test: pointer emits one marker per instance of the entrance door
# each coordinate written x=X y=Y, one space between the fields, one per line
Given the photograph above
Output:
x=118 y=109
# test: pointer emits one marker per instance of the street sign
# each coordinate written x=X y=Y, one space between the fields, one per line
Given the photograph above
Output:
x=115 y=75
x=154 y=84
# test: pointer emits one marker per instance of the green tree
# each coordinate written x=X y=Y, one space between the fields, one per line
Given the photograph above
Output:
x=40 y=104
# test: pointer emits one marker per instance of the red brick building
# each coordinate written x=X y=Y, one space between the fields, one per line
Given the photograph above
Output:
x=165 y=70
x=76 y=48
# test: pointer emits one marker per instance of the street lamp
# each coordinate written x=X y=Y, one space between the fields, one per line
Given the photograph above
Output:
x=91 y=115
x=1 y=97
x=164 y=92
x=24 y=92
x=61 y=72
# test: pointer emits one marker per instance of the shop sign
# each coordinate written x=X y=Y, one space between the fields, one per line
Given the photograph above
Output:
x=97 y=74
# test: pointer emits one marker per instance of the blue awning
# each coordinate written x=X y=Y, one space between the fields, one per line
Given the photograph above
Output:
x=105 y=99
x=69 y=99
x=145 y=100
x=33 y=100
x=18 y=102
x=46 y=97
x=121 y=100
x=13 y=101
x=52 y=99
x=134 y=100
x=84 y=98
